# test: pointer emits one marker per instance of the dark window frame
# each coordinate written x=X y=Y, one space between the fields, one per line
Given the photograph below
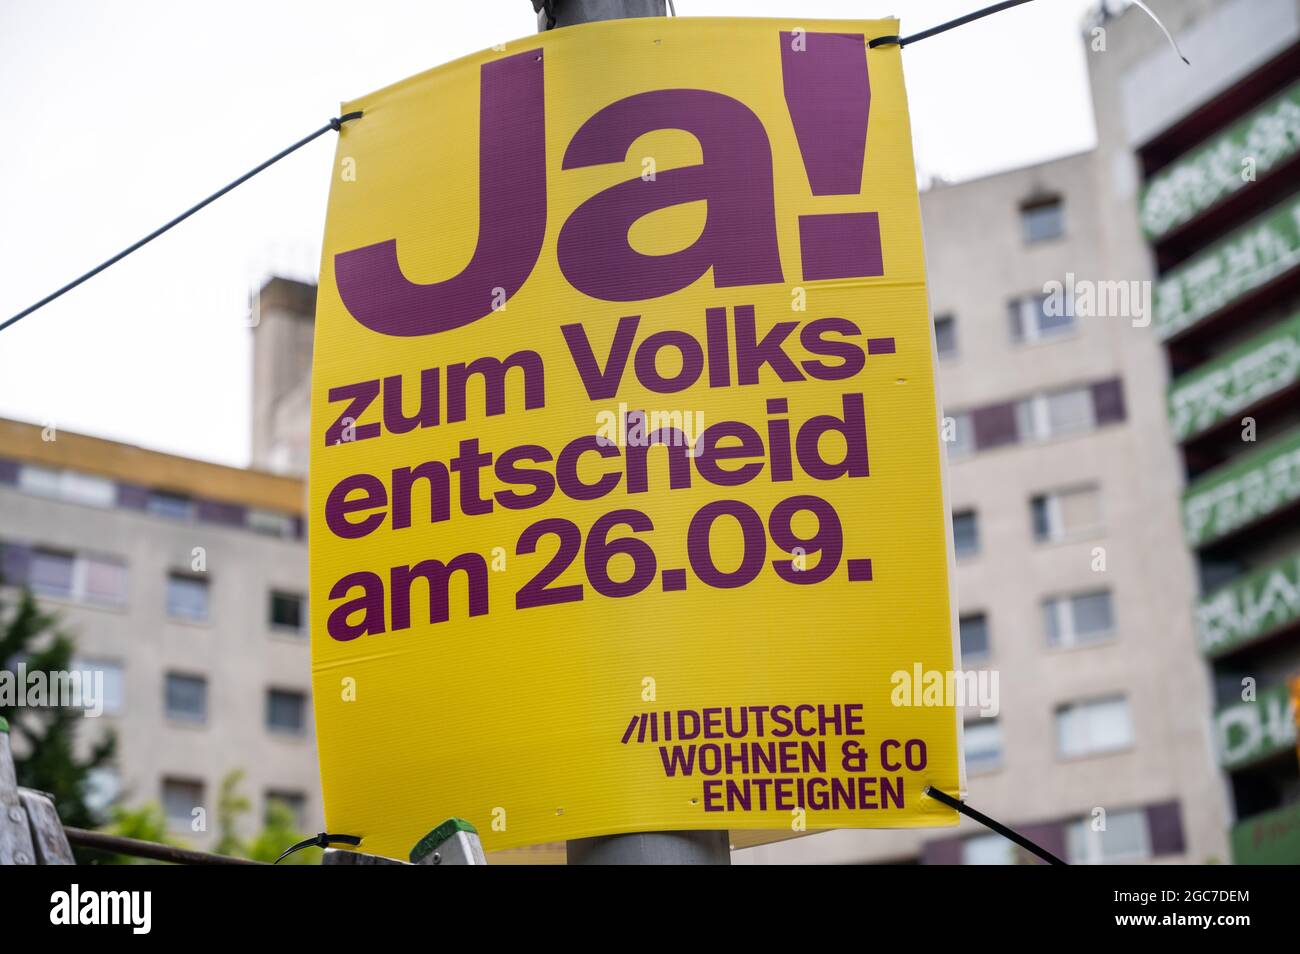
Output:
x=1032 y=214
x=176 y=714
x=300 y=699
x=284 y=596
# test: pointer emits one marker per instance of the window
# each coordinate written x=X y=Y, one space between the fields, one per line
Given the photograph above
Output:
x=1126 y=838
x=61 y=574
x=965 y=533
x=295 y=803
x=1045 y=416
x=1063 y=514
x=288 y=611
x=1033 y=318
x=1042 y=220
x=51 y=573
x=959 y=435
x=983 y=743
x=1092 y=728
x=88 y=489
x=1216 y=572
x=271 y=524
x=945 y=335
x=112 y=687
x=286 y=711
x=180 y=797
x=67 y=485
x=988 y=850
x=186 y=698
x=1078 y=620
x=187 y=597
x=173 y=506
x=38 y=480
x=974 y=631
x=102 y=580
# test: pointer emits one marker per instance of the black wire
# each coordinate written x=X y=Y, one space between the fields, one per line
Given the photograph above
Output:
x=989 y=823
x=945 y=27
x=334 y=124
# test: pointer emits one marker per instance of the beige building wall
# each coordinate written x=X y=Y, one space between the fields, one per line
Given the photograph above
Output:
x=283 y=326
x=1142 y=91
x=237 y=650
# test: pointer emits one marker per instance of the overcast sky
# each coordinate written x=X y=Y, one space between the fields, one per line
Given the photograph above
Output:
x=118 y=114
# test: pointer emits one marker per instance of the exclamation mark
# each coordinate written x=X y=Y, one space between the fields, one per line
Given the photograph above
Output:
x=828 y=94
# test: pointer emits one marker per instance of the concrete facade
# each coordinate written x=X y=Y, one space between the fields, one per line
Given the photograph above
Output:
x=242 y=538
x=1215 y=152
x=283 y=326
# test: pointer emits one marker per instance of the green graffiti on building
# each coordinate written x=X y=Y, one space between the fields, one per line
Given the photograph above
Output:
x=1265 y=365
x=1261 y=142
x=1251 y=731
x=1238 y=494
x=1250 y=608
x=1272 y=838
x=1246 y=260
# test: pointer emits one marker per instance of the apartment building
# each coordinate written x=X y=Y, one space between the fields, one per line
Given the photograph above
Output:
x=1217 y=156
x=1193 y=184
x=1065 y=515
x=1104 y=571
x=184 y=583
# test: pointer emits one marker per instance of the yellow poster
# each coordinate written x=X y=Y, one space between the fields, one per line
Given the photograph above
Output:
x=627 y=499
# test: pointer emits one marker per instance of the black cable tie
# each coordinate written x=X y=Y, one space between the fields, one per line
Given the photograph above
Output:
x=884 y=41
x=337 y=123
x=992 y=825
x=324 y=839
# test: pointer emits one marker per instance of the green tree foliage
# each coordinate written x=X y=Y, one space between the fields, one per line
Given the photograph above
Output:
x=279 y=830
x=46 y=757
x=45 y=751
x=231 y=804
x=145 y=823
x=279 y=833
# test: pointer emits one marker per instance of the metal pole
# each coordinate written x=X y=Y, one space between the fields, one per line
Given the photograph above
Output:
x=569 y=12
x=652 y=847
x=149 y=849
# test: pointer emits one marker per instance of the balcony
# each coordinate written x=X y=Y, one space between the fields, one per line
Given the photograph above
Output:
x=1207 y=177
x=1243 y=492
x=1249 y=261
x=1260 y=369
x=1251 y=732
x=1272 y=838
x=1250 y=609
